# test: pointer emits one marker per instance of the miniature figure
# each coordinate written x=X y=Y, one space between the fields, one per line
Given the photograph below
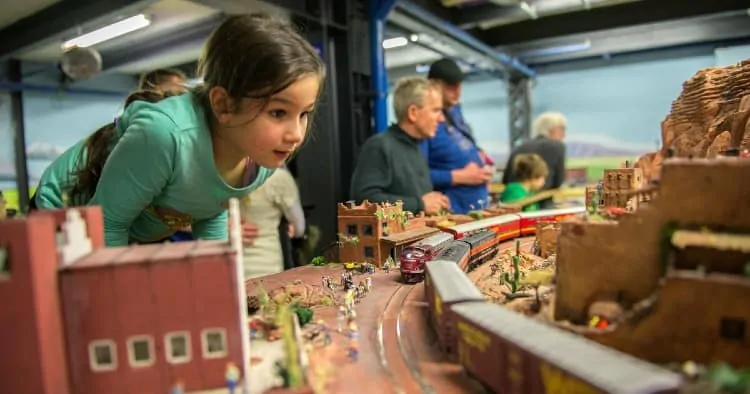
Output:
x=232 y=377
x=178 y=387
x=368 y=283
x=325 y=282
x=353 y=349
x=387 y=267
x=349 y=301
x=348 y=283
x=340 y=318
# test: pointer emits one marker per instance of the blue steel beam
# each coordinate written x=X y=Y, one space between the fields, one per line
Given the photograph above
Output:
x=378 y=12
x=463 y=37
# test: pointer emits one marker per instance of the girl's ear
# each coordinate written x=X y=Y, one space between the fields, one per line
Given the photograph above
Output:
x=220 y=104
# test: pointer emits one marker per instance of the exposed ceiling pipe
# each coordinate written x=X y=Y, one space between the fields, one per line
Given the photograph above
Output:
x=529 y=9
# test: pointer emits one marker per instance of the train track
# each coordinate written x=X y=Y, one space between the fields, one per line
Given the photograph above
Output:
x=401 y=368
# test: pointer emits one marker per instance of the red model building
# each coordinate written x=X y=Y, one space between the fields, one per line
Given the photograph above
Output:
x=80 y=318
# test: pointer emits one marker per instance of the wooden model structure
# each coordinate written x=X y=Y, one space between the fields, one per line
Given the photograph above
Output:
x=688 y=250
x=81 y=318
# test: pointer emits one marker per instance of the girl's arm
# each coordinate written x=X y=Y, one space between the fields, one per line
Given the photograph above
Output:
x=137 y=171
x=212 y=228
x=283 y=188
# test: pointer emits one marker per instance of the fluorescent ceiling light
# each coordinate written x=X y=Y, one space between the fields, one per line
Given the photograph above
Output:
x=109 y=32
x=395 y=42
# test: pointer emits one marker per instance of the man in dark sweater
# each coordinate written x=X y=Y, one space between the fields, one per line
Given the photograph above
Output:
x=548 y=133
x=390 y=166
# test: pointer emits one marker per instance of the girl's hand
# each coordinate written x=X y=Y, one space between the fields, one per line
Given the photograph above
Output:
x=249 y=232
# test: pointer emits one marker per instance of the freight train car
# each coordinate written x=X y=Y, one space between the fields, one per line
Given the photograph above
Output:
x=445 y=284
x=414 y=256
x=509 y=352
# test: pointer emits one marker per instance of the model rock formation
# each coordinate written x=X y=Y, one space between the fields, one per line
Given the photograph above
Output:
x=710 y=115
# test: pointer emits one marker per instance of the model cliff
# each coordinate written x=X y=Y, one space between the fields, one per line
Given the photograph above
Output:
x=676 y=267
x=710 y=116
x=81 y=318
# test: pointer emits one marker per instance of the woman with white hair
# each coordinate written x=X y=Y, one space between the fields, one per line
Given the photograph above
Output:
x=547 y=132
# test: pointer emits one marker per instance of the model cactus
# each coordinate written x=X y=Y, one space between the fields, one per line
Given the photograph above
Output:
x=513 y=283
x=293 y=367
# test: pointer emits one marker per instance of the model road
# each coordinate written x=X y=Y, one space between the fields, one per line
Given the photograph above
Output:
x=395 y=357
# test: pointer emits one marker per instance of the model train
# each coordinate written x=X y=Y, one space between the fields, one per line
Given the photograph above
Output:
x=511 y=353
x=482 y=238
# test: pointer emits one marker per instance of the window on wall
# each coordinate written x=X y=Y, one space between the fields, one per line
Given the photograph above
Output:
x=103 y=355
x=367 y=229
x=177 y=346
x=141 y=351
x=369 y=251
x=4 y=262
x=351 y=229
x=214 y=343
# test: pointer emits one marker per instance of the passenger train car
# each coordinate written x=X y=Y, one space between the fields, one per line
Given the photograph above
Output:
x=481 y=236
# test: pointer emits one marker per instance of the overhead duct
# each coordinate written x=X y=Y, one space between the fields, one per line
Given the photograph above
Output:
x=510 y=11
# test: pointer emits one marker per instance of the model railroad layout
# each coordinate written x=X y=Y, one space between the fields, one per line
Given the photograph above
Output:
x=506 y=351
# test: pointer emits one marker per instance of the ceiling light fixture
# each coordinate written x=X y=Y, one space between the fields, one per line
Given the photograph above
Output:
x=395 y=42
x=108 y=32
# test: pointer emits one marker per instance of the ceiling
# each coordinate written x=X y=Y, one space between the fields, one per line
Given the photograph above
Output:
x=499 y=32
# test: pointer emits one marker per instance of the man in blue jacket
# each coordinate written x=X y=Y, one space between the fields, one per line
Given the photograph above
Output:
x=458 y=168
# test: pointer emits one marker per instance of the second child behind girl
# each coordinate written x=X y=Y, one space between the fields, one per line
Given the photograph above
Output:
x=530 y=172
x=177 y=162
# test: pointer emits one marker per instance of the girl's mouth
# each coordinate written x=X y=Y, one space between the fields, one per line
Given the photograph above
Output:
x=282 y=154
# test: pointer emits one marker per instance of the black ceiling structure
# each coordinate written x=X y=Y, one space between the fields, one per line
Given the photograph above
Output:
x=604 y=18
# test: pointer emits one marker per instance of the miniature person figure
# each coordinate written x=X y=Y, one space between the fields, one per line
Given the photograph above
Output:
x=232 y=376
x=178 y=387
x=368 y=283
x=340 y=318
x=327 y=337
x=353 y=349
x=349 y=299
x=387 y=267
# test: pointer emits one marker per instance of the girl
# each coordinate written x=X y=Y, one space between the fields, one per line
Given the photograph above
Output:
x=530 y=171
x=177 y=162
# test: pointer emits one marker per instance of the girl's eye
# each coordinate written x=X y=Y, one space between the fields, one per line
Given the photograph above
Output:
x=305 y=114
x=278 y=113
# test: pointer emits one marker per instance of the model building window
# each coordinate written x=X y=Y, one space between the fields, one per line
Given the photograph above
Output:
x=177 y=345
x=369 y=252
x=732 y=329
x=141 y=351
x=103 y=355
x=214 y=343
x=4 y=261
x=367 y=229
x=351 y=229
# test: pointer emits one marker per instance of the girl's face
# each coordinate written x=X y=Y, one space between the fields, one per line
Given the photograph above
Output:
x=270 y=136
x=537 y=183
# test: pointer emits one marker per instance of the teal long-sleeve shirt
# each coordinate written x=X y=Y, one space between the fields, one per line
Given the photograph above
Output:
x=159 y=177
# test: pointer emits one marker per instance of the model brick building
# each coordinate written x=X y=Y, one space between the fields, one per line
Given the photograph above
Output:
x=617 y=183
x=687 y=252
x=80 y=318
x=371 y=232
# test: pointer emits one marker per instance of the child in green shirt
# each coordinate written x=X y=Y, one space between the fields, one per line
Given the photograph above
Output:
x=162 y=166
x=531 y=171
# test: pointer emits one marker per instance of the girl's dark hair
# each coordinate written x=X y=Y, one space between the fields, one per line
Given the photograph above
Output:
x=152 y=79
x=95 y=151
x=255 y=56
x=529 y=166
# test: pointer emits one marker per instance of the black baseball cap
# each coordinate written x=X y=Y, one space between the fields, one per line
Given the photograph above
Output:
x=446 y=70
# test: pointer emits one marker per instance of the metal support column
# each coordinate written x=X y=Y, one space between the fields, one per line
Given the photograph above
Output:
x=378 y=12
x=519 y=109
x=19 y=136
